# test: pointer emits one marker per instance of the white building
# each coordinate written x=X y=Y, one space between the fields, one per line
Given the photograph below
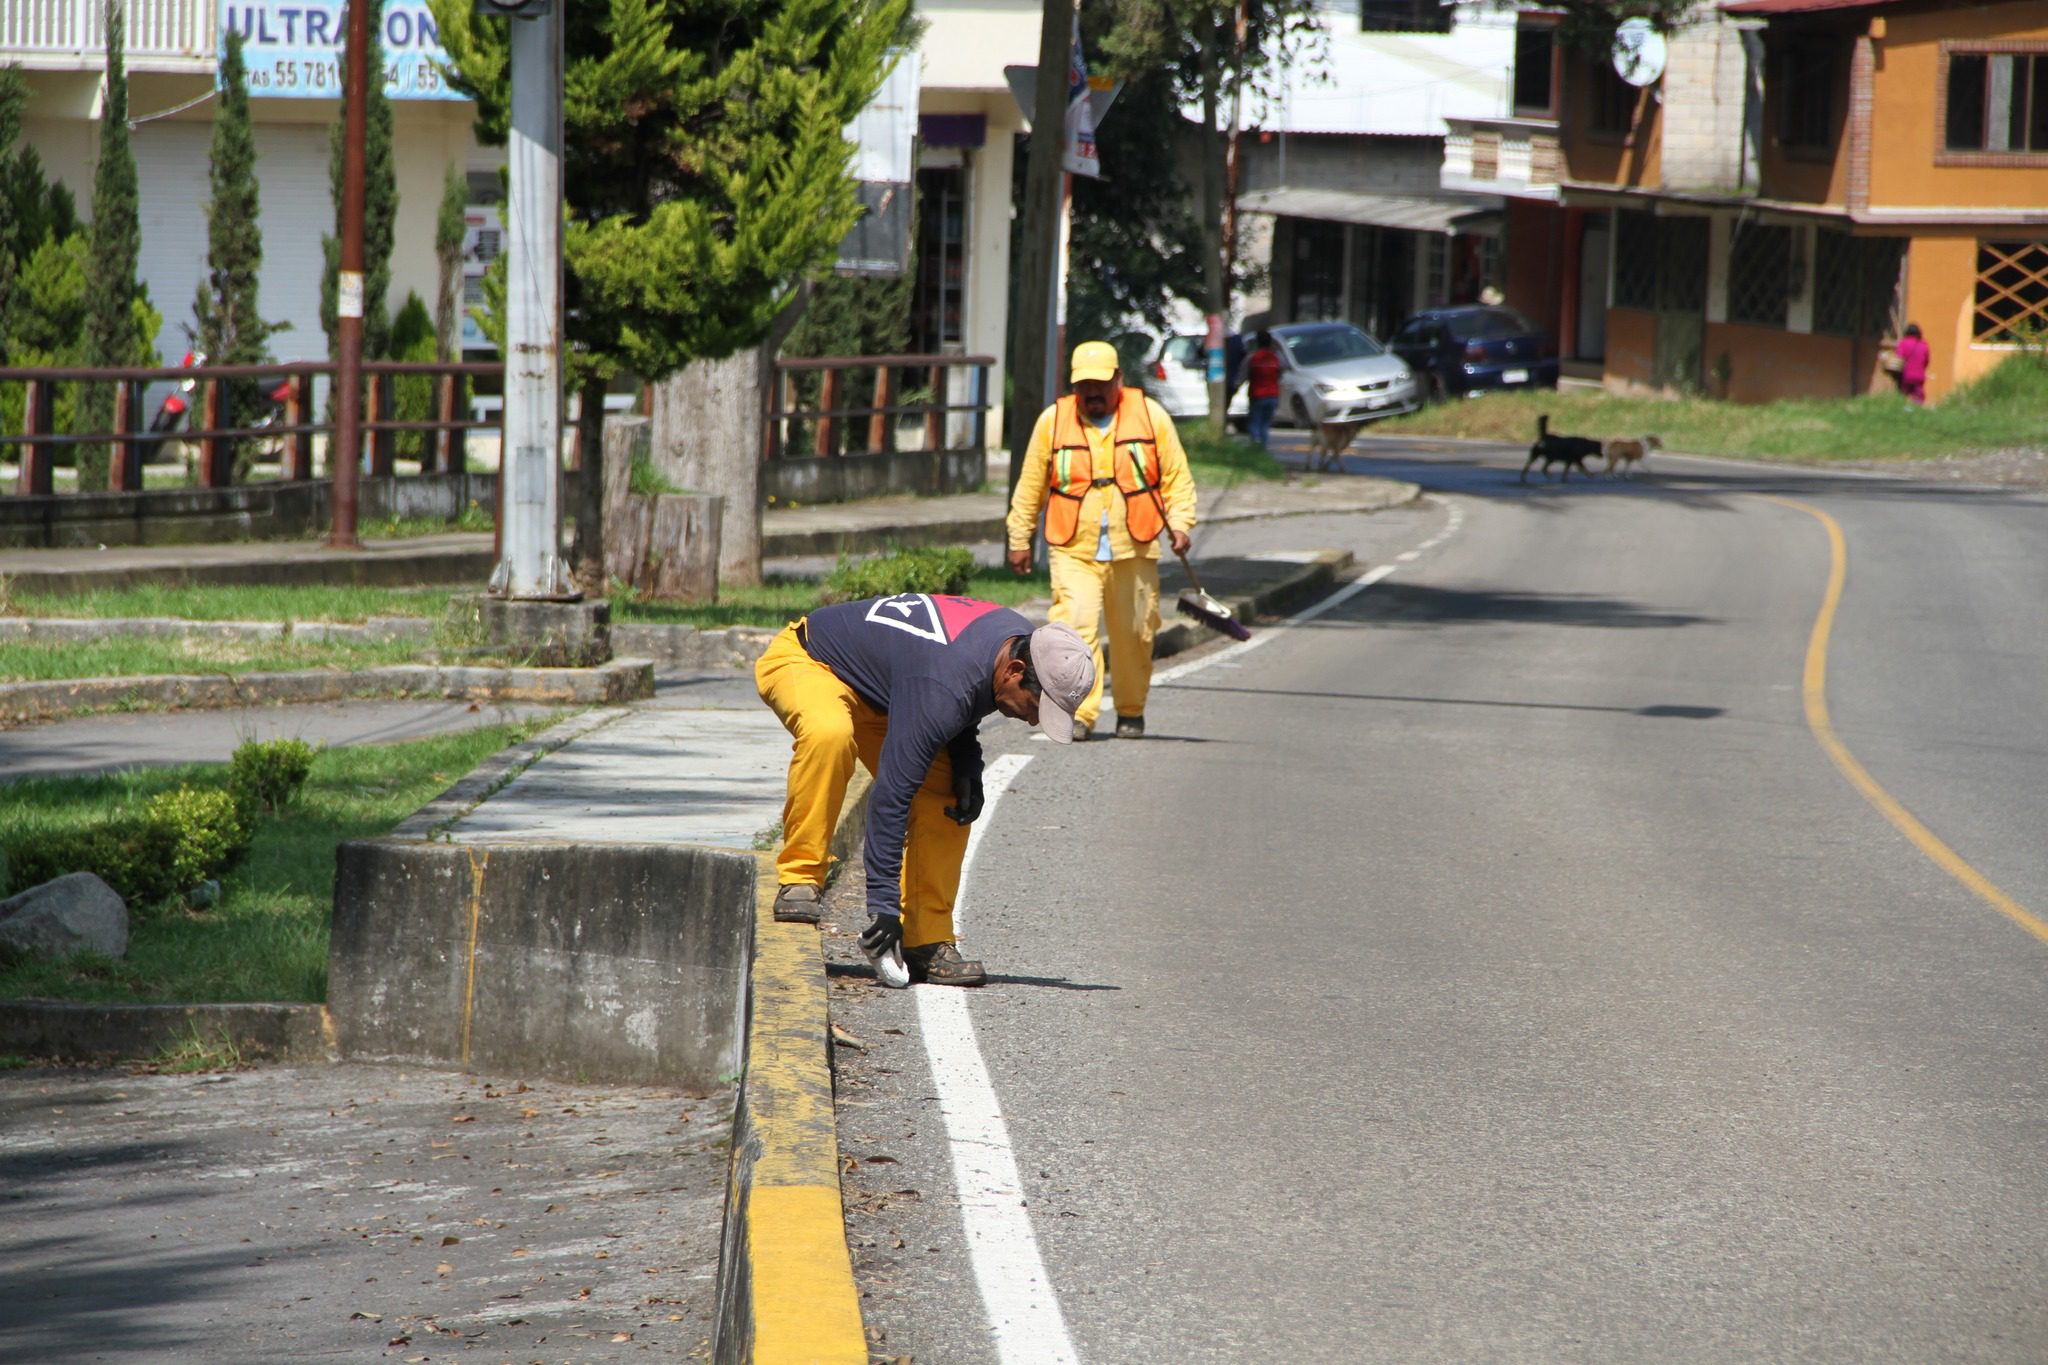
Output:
x=292 y=51
x=1345 y=161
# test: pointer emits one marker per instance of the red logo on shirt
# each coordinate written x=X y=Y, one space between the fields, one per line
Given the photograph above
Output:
x=936 y=618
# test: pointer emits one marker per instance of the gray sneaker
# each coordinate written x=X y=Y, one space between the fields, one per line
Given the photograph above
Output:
x=941 y=965
x=798 y=903
x=1082 y=730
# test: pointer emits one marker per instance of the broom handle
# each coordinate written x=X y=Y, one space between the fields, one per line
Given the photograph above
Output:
x=1168 y=524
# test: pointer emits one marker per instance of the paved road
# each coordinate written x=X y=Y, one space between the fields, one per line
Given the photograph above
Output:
x=1497 y=968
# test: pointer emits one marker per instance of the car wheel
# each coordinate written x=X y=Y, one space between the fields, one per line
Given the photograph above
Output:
x=1433 y=389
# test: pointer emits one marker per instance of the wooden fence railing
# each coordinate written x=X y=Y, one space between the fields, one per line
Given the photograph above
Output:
x=814 y=411
x=214 y=427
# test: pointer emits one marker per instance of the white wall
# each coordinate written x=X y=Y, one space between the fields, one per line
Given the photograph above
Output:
x=1401 y=83
x=967 y=43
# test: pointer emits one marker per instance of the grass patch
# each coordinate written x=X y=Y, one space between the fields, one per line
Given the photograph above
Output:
x=126 y=657
x=782 y=600
x=474 y=518
x=344 y=603
x=267 y=938
x=2002 y=411
x=1225 y=461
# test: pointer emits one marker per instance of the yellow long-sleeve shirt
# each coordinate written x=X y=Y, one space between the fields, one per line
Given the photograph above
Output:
x=1176 y=488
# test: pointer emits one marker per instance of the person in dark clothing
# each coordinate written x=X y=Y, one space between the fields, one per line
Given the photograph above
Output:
x=902 y=684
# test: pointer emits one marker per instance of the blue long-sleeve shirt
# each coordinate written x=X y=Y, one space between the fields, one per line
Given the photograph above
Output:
x=928 y=663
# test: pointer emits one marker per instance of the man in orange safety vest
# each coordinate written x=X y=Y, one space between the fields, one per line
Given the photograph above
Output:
x=1106 y=467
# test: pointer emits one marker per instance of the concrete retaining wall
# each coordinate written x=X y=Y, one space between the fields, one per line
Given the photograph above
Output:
x=624 y=962
x=848 y=478
x=257 y=511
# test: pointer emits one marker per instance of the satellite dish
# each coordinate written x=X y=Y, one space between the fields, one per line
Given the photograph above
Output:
x=1638 y=52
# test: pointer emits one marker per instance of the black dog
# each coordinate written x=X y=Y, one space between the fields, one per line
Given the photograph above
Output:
x=1570 y=451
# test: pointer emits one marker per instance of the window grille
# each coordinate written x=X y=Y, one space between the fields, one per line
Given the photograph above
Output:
x=2012 y=292
x=1854 y=282
x=1759 y=274
x=1635 y=260
x=1681 y=265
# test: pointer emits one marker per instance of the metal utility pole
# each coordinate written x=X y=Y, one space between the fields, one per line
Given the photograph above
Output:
x=345 y=454
x=1033 y=376
x=530 y=563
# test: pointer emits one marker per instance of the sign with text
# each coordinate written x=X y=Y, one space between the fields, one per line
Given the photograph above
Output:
x=293 y=48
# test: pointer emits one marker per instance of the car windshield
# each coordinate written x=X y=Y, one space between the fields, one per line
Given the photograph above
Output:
x=1322 y=345
x=1488 y=324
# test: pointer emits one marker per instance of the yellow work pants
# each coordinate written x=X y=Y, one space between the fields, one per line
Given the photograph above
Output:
x=1124 y=593
x=831 y=726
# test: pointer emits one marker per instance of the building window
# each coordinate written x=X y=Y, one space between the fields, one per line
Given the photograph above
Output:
x=938 y=308
x=1536 y=70
x=1809 y=92
x=2012 y=293
x=1855 y=283
x=1404 y=16
x=1613 y=102
x=1996 y=102
x=1318 y=271
x=1759 y=274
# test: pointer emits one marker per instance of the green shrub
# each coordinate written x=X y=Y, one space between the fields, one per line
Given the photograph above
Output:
x=645 y=479
x=209 y=832
x=265 y=775
x=412 y=395
x=180 y=839
x=933 y=568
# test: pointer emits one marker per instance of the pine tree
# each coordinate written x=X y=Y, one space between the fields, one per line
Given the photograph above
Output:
x=705 y=169
x=230 y=330
x=380 y=207
x=448 y=231
x=116 y=242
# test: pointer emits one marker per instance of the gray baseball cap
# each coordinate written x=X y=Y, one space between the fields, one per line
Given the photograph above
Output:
x=1066 y=675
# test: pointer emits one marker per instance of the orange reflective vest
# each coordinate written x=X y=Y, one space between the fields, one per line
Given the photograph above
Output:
x=1070 y=473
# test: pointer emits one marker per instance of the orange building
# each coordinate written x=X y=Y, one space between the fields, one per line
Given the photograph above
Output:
x=1790 y=183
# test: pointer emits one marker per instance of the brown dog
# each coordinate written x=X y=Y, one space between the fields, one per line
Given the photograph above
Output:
x=1329 y=443
x=1629 y=454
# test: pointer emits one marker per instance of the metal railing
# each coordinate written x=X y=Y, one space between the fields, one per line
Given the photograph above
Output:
x=813 y=411
x=214 y=430
x=73 y=33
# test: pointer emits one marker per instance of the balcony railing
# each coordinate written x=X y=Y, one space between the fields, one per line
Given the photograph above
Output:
x=1511 y=156
x=72 y=34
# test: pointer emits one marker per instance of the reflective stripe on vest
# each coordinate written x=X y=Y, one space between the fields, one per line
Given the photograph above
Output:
x=1071 y=472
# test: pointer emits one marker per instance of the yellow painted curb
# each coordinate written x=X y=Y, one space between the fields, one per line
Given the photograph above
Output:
x=786 y=1294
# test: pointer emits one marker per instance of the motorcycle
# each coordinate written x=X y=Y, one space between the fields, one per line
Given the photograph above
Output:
x=176 y=407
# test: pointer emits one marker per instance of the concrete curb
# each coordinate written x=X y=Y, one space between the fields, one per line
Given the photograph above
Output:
x=412 y=567
x=856 y=540
x=786 y=1291
x=620 y=680
x=70 y=1030
x=375 y=630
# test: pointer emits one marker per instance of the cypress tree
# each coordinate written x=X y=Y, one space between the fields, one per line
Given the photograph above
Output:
x=230 y=329
x=380 y=206
x=116 y=241
x=448 y=230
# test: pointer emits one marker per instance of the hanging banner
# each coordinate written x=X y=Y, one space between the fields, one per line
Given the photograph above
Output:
x=1079 y=157
x=293 y=48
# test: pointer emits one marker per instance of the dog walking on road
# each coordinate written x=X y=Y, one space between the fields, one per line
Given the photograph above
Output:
x=1570 y=451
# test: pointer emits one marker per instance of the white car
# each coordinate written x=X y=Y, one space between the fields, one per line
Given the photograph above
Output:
x=1332 y=372
x=1175 y=375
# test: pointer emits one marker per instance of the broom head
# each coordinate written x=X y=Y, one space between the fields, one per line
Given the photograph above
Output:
x=1213 y=614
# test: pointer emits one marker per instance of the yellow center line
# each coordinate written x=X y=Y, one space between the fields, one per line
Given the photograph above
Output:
x=1815 y=688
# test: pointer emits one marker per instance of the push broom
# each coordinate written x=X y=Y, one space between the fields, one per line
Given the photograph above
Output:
x=1217 y=616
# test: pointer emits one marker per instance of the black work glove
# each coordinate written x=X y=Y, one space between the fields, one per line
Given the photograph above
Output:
x=884 y=933
x=967 y=797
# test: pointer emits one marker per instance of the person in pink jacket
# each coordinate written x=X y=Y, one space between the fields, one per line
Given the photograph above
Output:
x=1912 y=352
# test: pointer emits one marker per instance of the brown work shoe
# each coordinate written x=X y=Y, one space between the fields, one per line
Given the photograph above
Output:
x=798 y=903
x=941 y=965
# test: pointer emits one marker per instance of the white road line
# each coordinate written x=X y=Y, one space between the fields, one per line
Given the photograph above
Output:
x=1167 y=677
x=1023 y=1311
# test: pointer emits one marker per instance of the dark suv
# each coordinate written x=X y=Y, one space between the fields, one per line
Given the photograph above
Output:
x=1473 y=347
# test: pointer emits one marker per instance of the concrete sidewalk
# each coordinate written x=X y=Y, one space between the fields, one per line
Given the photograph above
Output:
x=788 y=533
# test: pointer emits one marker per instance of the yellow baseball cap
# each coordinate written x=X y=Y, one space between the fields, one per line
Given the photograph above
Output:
x=1095 y=360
